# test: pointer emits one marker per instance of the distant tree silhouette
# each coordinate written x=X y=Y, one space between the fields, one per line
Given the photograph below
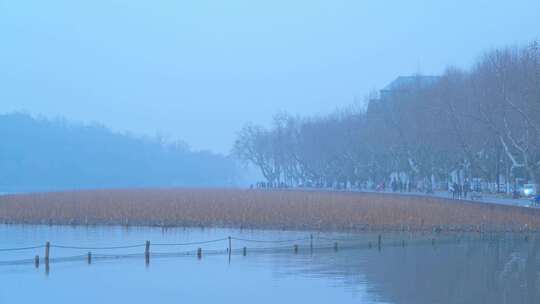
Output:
x=42 y=155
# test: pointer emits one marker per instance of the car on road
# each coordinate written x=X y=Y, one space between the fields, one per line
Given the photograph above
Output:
x=530 y=190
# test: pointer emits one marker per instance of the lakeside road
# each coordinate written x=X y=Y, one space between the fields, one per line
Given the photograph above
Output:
x=492 y=199
x=264 y=209
x=485 y=197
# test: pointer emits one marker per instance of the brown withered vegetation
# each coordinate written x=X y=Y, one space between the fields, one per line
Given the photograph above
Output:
x=254 y=209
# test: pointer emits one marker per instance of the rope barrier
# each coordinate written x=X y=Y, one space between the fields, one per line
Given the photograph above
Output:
x=17 y=262
x=97 y=248
x=340 y=239
x=270 y=241
x=346 y=243
x=21 y=248
x=117 y=256
x=190 y=243
x=68 y=258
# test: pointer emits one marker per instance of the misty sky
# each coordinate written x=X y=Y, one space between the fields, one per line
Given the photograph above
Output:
x=198 y=70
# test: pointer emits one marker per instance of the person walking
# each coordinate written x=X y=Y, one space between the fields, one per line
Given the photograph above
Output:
x=466 y=189
x=456 y=190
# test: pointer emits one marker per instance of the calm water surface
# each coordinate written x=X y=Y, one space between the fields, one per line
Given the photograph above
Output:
x=498 y=271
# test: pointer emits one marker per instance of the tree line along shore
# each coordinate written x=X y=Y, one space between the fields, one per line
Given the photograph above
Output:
x=478 y=126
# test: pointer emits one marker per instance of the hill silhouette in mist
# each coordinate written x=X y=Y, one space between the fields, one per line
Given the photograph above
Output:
x=38 y=154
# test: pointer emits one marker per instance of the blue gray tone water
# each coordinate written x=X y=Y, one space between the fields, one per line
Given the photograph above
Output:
x=489 y=271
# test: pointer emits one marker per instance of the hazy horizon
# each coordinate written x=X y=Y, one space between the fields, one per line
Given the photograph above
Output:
x=198 y=71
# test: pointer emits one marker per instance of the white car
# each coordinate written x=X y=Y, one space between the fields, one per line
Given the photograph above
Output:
x=530 y=190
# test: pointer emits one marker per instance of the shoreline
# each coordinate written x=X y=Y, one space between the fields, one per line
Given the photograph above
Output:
x=458 y=230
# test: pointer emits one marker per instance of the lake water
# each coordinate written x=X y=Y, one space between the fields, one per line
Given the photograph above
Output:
x=454 y=269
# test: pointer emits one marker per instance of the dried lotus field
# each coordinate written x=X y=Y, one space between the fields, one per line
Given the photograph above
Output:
x=258 y=209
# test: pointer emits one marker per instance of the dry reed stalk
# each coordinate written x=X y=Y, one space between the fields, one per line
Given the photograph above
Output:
x=259 y=209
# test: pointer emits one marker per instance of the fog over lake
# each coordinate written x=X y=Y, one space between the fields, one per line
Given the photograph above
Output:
x=197 y=70
x=274 y=151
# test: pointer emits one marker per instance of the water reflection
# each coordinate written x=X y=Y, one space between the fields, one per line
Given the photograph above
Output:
x=495 y=271
x=501 y=269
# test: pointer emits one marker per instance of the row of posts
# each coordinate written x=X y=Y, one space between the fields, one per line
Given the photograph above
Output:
x=229 y=250
x=199 y=250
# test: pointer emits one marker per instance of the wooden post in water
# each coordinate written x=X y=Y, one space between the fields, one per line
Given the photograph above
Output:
x=36 y=261
x=244 y=251
x=47 y=269
x=199 y=253
x=230 y=249
x=147 y=253
x=89 y=258
x=379 y=242
x=295 y=248
x=433 y=242
x=47 y=252
x=311 y=243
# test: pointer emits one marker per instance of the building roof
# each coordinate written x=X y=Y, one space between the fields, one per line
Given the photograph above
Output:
x=408 y=82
